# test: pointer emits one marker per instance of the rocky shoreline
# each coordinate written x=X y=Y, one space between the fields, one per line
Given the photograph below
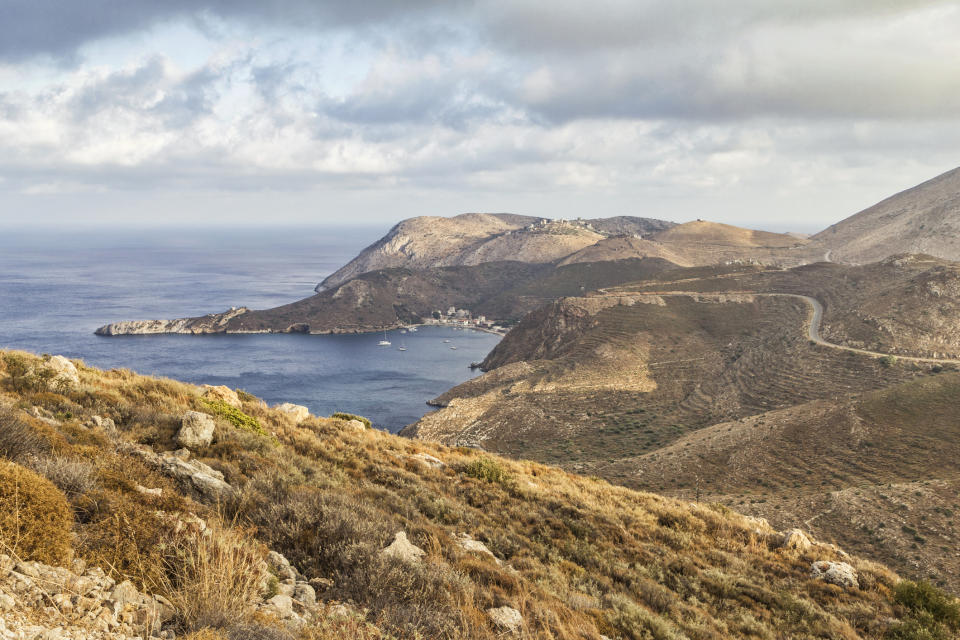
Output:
x=216 y=323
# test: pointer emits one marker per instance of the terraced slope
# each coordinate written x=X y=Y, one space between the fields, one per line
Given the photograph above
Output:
x=587 y=379
x=905 y=305
x=877 y=471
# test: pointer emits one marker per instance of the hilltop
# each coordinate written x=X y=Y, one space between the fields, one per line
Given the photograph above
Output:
x=279 y=524
x=475 y=238
x=923 y=219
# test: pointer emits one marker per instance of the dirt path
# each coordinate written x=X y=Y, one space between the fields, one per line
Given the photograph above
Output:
x=813 y=325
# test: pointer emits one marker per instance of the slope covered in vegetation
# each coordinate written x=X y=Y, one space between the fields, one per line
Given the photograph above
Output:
x=498 y=546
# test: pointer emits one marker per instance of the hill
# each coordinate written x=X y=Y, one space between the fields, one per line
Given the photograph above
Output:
x=475 y=238
x=702 y=243
x=387 y=298
x=923 y=219
x=380 y=536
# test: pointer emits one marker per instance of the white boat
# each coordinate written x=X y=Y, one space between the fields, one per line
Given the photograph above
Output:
x=412 y=329
x=384 y=342
x=453 y=347
x=402 y=349
x=446 y=341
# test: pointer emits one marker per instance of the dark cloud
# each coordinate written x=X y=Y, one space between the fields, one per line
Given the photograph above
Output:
x=58 y=27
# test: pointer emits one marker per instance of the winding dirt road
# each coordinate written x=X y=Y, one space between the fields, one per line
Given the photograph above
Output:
x=813 y=323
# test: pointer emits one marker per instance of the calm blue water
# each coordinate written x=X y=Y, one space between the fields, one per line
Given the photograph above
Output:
x=57 y=287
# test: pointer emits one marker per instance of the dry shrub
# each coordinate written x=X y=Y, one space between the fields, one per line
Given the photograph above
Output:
x=35 y=518
x=257 y=630
x=213 y=579
x=19 y=440
x=73 y=476
x=205 y=634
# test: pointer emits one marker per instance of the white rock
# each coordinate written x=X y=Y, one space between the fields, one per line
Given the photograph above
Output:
x=506 y=618
x=282 y=604
x=222 y=394
x=356 y=425
x=429 y=460
x=305 y=594
x=838 y=573
x=6 y=602
x=404 y=549
x=65 y=370
x=196 y=430
x=149 y=492
x=298 y=412
x=125 y=593
x=467 y=543
x=796 y=539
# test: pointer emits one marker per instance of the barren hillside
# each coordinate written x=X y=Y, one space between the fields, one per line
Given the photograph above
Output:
x=923 y=219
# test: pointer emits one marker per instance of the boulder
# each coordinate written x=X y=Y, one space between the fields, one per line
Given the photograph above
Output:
x=66 y=372
x=222 y=394
x=281 y=566
x=282 y=605
x=467 y=543
x=404 y=549
x=838 y=573
x=797 y=540
x=429 y=460
x=356 y=425
x=125 y=593
x=305 y=594
x=205 y=482
x=506 y=618
x=196 y=430
x=297 y=412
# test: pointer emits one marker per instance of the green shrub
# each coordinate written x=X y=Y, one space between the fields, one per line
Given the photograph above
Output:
x=486 y=468
x=235 y=417
x=923 y=597
x=35 y=518
x=349 y=416
x=888 y=361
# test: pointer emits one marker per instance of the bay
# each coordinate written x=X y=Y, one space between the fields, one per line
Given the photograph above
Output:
x=58 y=286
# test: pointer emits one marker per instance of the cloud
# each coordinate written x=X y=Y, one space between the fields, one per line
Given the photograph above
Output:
x=688 y=105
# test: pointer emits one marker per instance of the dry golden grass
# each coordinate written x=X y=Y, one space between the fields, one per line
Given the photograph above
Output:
x=576 y=556
x=213 y=578
x=35 y=519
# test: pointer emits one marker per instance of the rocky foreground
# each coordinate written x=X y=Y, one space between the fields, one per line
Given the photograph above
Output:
x=148 y=507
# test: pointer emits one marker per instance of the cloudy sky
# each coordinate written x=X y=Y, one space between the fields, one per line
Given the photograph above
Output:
x=787 y=114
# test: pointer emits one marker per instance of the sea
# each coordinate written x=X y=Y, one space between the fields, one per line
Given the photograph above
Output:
x=58 y=285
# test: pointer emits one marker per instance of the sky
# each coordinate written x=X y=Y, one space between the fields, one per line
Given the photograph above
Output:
x=783 y=115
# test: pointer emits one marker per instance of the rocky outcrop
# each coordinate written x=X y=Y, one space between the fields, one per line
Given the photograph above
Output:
x=403 y=549
x=506 y=619
x=40 y=601
x=838 y=573
x=297 y=412
x=796 y=540
x=196 y=430
x=196 y=478
x=66 y=371
x=212 y=323
x=222 y=394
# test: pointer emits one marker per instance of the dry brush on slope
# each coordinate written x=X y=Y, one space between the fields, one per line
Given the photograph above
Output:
x=574 y=557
